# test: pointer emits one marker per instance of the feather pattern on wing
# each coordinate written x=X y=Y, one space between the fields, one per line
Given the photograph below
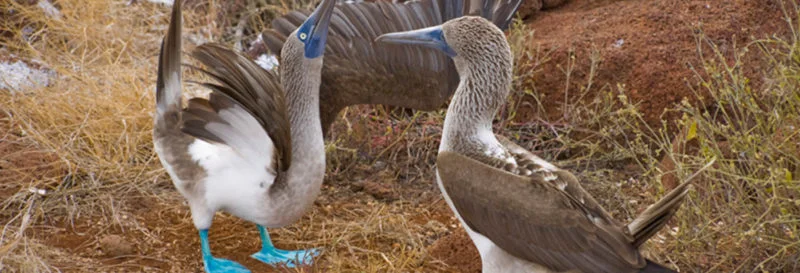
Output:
x=531 y=218
x=248 y=102
x=358 y=71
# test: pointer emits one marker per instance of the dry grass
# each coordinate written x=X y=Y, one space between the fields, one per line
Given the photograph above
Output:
x=743 y=215
x=94 y=122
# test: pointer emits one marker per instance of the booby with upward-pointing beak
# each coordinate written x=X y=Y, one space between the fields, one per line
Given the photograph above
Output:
x=254 y=148
x=359 y=71
x=523 y=213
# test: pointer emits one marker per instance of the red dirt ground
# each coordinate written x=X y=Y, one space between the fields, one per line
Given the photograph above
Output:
x=658 y=45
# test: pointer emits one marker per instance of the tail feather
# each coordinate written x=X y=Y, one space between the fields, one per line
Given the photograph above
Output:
x=653 y=267
x=657 y=215
x=504 y=13
x=500 y=12
x=168 y=86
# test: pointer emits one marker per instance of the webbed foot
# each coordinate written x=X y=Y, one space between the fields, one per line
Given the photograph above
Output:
x=217 y=265
x=276 y=257
x=288 y=258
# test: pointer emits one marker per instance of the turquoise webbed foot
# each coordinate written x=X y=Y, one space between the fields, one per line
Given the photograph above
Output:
x=217 y=265
x=278 y=257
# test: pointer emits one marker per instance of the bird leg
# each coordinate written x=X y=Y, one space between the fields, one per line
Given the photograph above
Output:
x=216 y=265
x=273 y=256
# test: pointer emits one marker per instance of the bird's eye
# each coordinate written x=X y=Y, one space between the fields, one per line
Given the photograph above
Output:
x=303 y=36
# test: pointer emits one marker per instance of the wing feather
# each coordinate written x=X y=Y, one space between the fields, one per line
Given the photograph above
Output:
x=532 y=219
x=244 y=110
x=358 y=71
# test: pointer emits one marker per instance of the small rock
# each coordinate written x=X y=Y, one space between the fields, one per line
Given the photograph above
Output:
x=115 y=246
x=618 y=43
x=379 y=191
x=19 y=76
x=164 y=2
x=379 y=165
x=49 y=9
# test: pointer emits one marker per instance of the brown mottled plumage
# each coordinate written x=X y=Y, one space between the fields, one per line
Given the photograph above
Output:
x=358 y=71
x=522 y=213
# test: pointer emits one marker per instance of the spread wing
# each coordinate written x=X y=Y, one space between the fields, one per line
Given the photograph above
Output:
x=358 y=71
x=534 y=220
x=246 y=110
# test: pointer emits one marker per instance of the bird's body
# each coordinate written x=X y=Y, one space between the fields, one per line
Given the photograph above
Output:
x=522 y=213
x=359 y=71
x=254 y=148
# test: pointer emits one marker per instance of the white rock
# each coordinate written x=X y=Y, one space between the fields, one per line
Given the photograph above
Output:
x=619 y=42
x=165 y=2
x=18 y=76
x=49 y=9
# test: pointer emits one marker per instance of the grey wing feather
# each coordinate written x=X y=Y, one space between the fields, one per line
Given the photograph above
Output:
x=196 y=115
x=358 y=71
x=243 y=85
x=533 y=220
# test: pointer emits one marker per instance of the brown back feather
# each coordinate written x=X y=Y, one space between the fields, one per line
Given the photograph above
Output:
x=530 y=218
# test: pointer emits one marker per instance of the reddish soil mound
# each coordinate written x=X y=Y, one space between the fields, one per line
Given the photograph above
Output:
x=457 y=251
x=645 y=45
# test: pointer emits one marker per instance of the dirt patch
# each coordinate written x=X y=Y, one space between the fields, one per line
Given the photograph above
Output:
x=647 y=46
x=457 y=251
x=115 y=246
x=160 y=240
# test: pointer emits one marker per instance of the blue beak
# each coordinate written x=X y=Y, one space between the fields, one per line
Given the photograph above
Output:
x=314 y=31
x=432 y=37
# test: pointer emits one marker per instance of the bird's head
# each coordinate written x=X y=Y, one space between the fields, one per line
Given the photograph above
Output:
x=314 y=31
x=467 y=37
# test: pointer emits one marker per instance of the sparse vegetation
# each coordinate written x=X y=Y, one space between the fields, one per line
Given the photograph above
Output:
x=90 y=135
x=743 y=215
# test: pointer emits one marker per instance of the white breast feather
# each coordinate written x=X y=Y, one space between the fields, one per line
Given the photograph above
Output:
x=240 y=171
x=494 y=148
x=233 y=183
x=247 y=136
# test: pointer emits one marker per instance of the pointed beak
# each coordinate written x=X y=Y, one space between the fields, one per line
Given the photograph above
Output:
x=320 y=20
x=431 y=37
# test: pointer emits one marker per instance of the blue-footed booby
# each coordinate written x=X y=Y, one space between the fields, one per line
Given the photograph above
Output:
x=522 y=213
x=359 y=71
x=254 y=148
